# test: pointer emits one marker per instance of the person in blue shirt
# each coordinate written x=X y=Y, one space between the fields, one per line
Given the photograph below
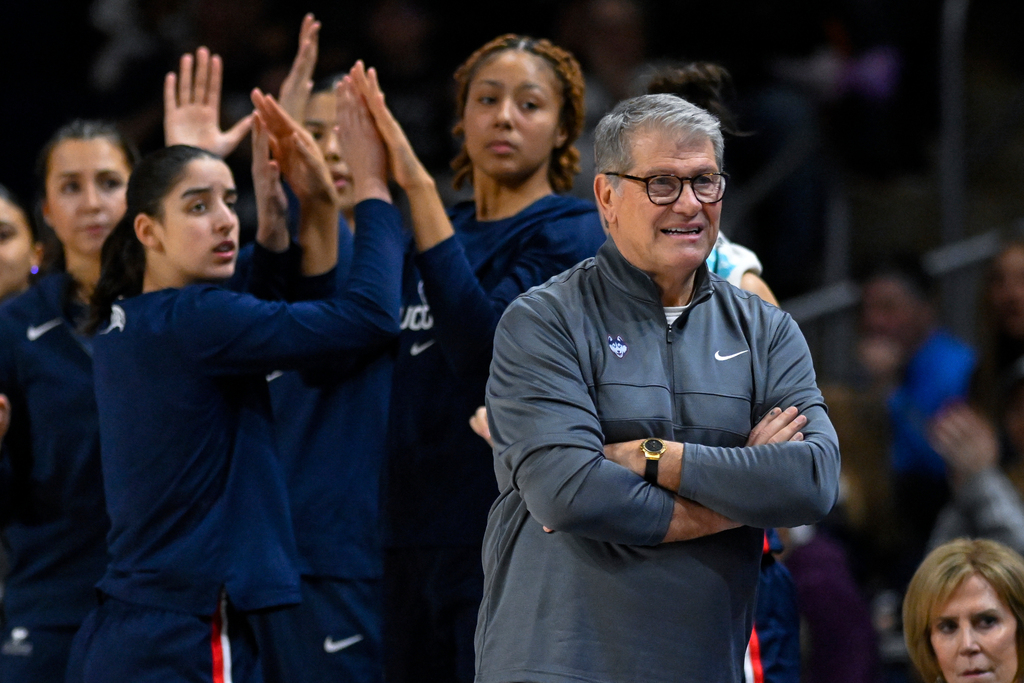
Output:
x=201 y=534
x=20 y=250
x=519 y=107
x=327 y=425
x=53 y=517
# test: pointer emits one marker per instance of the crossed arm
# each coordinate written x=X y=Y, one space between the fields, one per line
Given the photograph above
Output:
x=549 y=448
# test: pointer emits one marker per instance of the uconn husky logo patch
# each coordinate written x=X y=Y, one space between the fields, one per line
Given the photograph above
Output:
x=617 y=346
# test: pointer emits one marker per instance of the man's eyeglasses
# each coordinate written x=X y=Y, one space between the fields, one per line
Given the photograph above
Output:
x=708 y=188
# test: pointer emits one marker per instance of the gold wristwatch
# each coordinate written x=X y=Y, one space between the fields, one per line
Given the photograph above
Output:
x=653 y=450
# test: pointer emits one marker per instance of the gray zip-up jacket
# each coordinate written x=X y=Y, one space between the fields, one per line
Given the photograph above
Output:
x=587 y=359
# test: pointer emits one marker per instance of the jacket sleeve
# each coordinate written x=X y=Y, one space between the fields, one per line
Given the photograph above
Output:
x=774 y=485
x=548 y=439
x=465 y=315
x=230 y=333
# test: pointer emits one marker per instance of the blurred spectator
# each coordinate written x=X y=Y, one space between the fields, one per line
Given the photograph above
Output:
x=985 y=503
x=918 y=368
x=1002 y=318
x=839 y=641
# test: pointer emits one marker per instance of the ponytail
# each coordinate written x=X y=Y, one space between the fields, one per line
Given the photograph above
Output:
x=123 y=265
x=123 y=258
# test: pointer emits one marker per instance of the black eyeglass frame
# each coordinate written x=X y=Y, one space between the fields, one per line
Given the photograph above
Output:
x=682 y=183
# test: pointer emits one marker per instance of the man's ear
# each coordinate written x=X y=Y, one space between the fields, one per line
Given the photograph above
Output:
x=606 y=195
x=148 y=231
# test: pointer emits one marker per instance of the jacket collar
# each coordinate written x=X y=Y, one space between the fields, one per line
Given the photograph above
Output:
x=637 y=284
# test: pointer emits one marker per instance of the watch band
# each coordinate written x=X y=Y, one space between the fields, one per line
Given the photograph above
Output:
x=651 y=471
x=652 y=449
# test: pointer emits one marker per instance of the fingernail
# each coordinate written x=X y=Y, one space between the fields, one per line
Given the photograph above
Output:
x=776 y=411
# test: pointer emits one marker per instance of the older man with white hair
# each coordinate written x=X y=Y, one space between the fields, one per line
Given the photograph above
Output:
x=649 y=421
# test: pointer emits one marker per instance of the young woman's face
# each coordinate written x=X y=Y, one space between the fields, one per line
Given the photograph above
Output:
x=196 y=238
x=86 y=182
x=320 y=123
x=511 y=120
x=18 y=251
x=974 y=635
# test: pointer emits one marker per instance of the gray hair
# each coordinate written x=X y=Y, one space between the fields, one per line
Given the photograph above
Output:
x=613 y=139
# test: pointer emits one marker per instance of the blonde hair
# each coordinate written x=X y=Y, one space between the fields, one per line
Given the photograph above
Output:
x=940 y=574
x=565 y=159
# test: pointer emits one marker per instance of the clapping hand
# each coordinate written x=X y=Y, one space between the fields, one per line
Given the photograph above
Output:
x=271 y=201
x=298 y=84
x=296 y=153
x=192 y=106
x=360 y=143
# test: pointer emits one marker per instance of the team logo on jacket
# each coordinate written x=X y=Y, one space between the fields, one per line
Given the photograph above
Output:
x=417 y=317
x=117 y=320
x=617 y=346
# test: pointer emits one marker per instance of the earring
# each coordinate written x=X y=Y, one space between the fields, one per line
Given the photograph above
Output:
x=35 y=270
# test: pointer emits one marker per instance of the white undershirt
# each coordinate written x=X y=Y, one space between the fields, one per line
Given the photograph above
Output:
x=673 y=312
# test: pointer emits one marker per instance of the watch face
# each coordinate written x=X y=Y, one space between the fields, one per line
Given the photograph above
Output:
x=653 y=445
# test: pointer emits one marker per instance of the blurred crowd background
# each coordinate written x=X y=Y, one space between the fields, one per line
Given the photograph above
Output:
x=880 y=183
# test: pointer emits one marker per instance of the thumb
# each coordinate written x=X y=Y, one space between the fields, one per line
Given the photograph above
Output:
x=236 y=133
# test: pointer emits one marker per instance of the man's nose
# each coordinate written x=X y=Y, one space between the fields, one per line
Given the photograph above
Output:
x=687 y=203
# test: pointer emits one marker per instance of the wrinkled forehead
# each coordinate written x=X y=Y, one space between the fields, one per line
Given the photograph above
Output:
x=651 y=142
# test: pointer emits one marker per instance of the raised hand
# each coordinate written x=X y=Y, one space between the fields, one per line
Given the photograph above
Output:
x=192 y=106
x=406 y=167
x=296 y=152
x=360 y=144
x=271 y=201
x=965 y=440
x=298 y=84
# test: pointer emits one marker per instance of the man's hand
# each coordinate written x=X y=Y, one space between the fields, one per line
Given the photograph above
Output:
x=192 y=106
x=298 y=84
x=479 y=424
x=778 y=426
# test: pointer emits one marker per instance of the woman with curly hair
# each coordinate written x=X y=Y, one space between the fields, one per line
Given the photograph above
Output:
x=519 y=107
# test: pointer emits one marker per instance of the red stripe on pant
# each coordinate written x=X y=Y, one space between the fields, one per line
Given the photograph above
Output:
x=216 y=647
x=755 y=657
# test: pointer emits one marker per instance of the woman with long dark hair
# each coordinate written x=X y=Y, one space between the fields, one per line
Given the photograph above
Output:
x=52 y=512
x=201 y=534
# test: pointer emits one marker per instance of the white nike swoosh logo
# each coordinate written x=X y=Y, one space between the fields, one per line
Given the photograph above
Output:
x=719 y=356
x=274 y=375
x=38 y=331
x=332 y=646
x=417 y=349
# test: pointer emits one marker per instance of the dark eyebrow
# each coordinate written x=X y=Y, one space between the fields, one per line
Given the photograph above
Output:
x=192 y=191
x=314 y=122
